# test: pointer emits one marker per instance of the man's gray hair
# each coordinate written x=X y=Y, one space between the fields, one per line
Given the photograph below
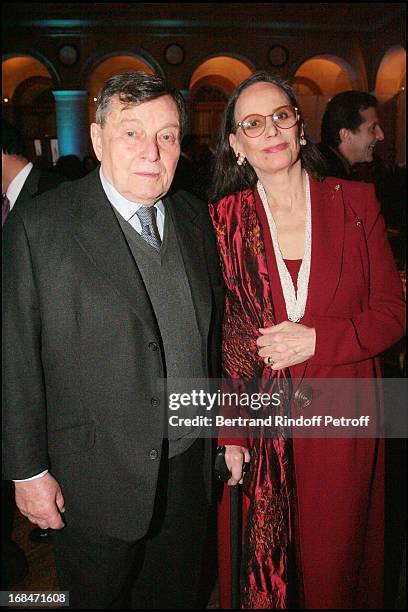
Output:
x=136 y=88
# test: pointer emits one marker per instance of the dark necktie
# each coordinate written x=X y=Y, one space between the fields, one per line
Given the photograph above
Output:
x=147 y=216
x=5 y=209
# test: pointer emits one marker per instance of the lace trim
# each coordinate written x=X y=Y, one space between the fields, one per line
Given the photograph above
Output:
x=295 y=304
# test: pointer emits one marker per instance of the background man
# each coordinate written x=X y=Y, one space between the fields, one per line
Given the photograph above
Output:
x=21 y=180
x=349 y=134
x=110 y=287
x=350 y=130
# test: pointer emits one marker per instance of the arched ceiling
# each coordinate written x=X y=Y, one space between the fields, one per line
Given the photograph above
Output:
x=111 y=66
x=391 y=75
x=328 y=75
x=17 y=69
x=230 y=68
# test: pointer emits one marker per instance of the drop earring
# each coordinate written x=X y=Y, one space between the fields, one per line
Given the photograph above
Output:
x=302 y=139
x=241 y=161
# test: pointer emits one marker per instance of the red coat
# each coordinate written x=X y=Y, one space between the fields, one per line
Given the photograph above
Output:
x=355 y=304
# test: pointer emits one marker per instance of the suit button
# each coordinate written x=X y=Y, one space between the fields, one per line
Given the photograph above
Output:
x=153 y=454
x=153 y=346
x=303 y=396
x=155 y=402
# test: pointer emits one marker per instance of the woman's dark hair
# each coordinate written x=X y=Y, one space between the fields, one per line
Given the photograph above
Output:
x=228 y=177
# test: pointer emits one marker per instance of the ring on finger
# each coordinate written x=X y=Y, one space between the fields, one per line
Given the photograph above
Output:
x=270 y=361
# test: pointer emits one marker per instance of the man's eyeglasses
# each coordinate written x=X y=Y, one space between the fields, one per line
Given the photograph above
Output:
x=283 y=117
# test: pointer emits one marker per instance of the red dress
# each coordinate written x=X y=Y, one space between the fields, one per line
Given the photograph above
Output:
x=334 y=486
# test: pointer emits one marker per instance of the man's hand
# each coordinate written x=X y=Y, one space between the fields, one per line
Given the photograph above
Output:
x=235 y=456
x=41 y=501
x=287 y=344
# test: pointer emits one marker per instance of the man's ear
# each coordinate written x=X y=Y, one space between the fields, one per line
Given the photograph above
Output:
x=96 y=138
x=345 y=135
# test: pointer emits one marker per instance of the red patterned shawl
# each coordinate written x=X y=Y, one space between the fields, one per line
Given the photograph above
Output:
x=266 y=578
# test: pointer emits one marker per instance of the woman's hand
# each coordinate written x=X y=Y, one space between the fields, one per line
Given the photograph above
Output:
x=235 y=457
x=287 y=344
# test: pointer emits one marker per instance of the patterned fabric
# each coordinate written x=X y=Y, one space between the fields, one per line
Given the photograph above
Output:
x=266 y=571
x=147 y=216
x=5 y=209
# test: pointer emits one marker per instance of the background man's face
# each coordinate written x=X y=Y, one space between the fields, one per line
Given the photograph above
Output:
x=362 y=142
x=139 y=147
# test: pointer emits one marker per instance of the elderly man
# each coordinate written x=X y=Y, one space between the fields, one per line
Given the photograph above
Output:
x=350 y=132
x=109 y=287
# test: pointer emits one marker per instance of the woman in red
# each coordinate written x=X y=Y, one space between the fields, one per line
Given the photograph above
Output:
x=312 y=292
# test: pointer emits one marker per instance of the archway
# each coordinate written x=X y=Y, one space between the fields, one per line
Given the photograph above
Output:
x=108 y=67
x=390 y=87
x=27 y=85
x=315 y=82
x=391 y=74
x=211 y=84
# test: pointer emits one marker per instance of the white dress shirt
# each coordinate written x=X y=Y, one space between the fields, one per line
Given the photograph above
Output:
x=128 y=209
x=16 y=185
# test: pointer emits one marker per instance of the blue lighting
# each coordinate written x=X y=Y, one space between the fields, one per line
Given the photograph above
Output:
x=72 y=122
x=57 y=23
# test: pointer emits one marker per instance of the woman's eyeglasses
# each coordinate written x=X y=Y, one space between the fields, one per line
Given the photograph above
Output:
x=283 y=117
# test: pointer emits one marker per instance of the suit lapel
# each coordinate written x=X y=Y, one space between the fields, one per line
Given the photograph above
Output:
x=30 y=187
x=190 y=237
x=327 y=253
x=100 y=236
x=32 y=182
x=327 y=245
x=327 y=249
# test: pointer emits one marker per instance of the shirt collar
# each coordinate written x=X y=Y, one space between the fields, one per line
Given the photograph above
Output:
x=17 y=183
x=125 y=207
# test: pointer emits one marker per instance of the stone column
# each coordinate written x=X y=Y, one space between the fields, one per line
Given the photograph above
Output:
x=72 y=122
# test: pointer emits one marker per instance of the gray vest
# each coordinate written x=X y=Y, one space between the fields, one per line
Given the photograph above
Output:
x=167 y=285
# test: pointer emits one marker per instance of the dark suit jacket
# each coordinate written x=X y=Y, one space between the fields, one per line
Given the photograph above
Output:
x=335 y=166
x=82 y=350
x=38 y=182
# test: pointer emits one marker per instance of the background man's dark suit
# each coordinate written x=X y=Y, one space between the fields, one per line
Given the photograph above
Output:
x=14 y=565
x=36 y=183
x=82 y=397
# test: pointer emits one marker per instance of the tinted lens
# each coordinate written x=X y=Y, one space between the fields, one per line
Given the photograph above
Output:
x=253 y=125
x=284 y=117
